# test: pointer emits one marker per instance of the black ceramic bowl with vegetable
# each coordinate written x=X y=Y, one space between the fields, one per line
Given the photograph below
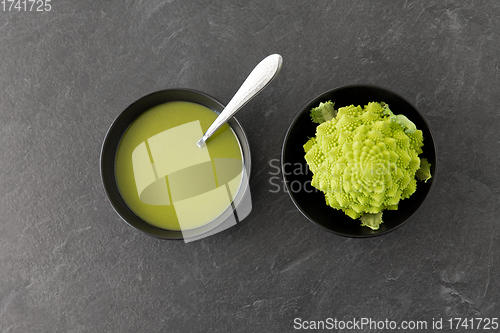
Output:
x=297 y=175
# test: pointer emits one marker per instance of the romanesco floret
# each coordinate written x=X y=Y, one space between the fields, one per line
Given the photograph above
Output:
x=364 y=160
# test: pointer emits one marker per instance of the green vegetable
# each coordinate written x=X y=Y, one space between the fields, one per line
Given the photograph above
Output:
x=371 y=220
x=404 y=122
x=323 y=112
x=364 y=159
x=424 y=173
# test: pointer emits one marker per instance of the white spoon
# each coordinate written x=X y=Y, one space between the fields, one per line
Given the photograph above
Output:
x=258 y=79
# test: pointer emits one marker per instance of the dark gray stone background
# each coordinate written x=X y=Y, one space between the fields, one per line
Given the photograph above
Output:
x=69 y=264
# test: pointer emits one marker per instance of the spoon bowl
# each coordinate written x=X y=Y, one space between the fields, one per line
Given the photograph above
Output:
x=117 y=131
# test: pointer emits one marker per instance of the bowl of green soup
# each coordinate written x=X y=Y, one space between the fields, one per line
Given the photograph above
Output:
x=157 y=179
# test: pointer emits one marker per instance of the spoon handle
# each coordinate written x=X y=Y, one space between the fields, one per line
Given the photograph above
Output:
x=258 y=79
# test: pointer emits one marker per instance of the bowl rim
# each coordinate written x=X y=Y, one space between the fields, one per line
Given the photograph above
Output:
x=316 y=100
x=241 y=136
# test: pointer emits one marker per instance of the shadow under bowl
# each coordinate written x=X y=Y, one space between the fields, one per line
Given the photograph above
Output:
x=116 y=132
x=297 y=176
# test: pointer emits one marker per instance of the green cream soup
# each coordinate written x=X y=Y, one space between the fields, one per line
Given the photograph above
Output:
x=164 y=177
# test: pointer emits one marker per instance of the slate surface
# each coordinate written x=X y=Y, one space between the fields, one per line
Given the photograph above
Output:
x=69 y=264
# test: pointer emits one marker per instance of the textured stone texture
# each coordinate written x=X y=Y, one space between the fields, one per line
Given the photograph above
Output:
x=69 y=264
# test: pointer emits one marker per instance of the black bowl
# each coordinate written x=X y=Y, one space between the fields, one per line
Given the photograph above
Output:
x=118 y=128
x=311 y=202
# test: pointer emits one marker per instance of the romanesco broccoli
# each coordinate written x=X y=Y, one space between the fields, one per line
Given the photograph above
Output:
x=371 y=220
x=323 y=112
x=364 y=159
x=424 y=173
